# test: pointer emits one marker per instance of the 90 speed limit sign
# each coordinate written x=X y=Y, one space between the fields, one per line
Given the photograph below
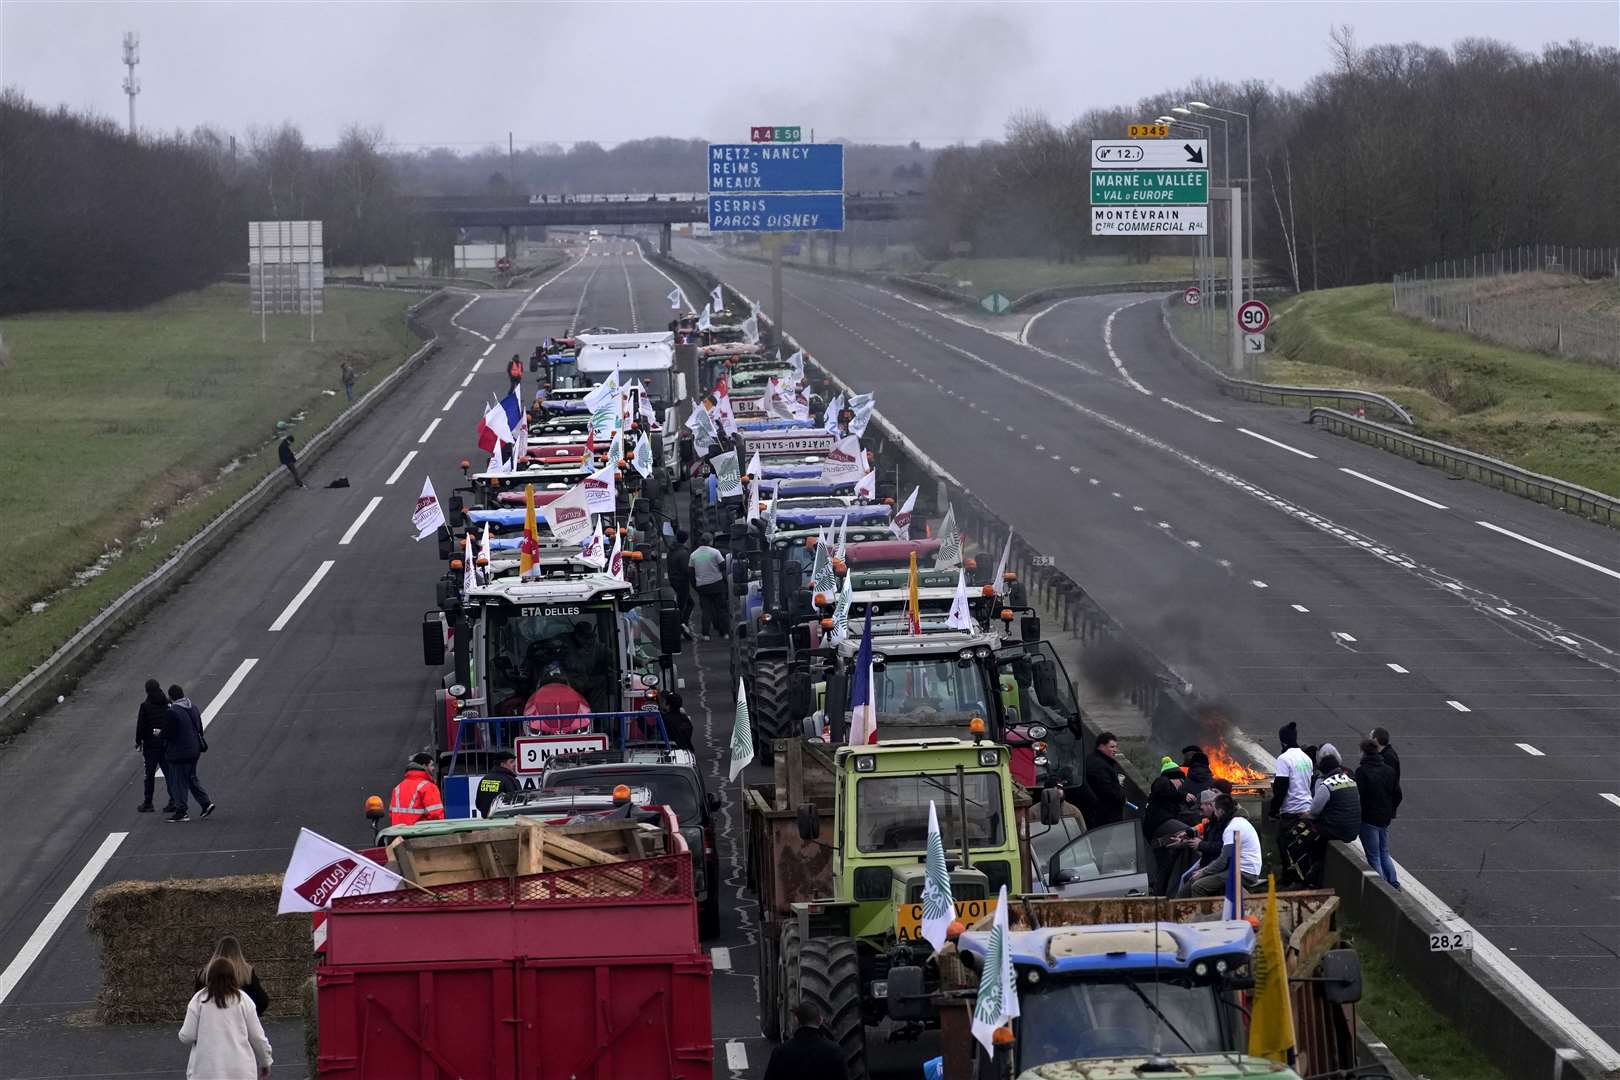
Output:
x=1253 y=317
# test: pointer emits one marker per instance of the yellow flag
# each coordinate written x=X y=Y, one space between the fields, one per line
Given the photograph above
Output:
x=529 y=546
x=1271 y=1020
x=914 y=603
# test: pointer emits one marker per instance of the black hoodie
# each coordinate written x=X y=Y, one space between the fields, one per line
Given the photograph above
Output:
x=149 y=721
x=1380 y=788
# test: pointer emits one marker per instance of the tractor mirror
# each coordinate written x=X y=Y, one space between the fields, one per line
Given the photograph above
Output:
x=433 y=639
x=1341 y=977
x=739 y=572
x=908 y=1000
x=1044 y=677
x=669 y=630
x=1029 y=628
x=1051 y=805
x=809 y=822
x=463 y=652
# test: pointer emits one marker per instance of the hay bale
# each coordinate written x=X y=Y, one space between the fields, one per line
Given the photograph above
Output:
x=312 y=1027
x=154 y=936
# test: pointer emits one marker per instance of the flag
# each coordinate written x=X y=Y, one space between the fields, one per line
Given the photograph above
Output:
x=594 y=550
x=675 y=299
x=717 y=298
x=821 y=571
x=615 y=560
x=846 y=597
x=1001 y=567
x=493 y=429
x=605 y=419
x=497 y=464
x=756 y=468
x=796 y=362
x=569 y=516
x=320 y=871
x=902 y=520
x=998 y=988
x=726 y=474
x=913 y=601
x=1232 y=900
x=750 y=329
x=961 y=616
x=703 y=322
x=643 y=459
x=722 y=412
x=862 y=708
x=829 y=415
x=616 y=448
x=950 y=543
x=863 y=415
x=486 y=553
x=603 y=392
x=939 y=908
x=514 y=412
x=701 y=425
x=428 y=517
x=742 y=735
x=601 y=489
x=469 y=570
x=529 y=547
x=866 y=486
x=520 y=445
x=1271 y=1018
x=843 y=534
x=777 y=403
x=753 y=498
x=844 y=463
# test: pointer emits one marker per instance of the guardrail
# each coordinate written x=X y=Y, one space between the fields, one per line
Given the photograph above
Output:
x=1102 y=288
x=32 y=692
x=1477 y=467
x=1269 y=393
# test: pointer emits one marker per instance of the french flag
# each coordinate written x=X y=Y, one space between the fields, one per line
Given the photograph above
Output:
x=862 y=707
x=494 y=429
x=1232 y=897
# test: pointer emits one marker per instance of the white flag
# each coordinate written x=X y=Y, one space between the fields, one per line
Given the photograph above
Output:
x=722 y=413
x=843 y=535
x=601 y=489
x=520 y=444
x=950 y=543
x=483 y=545
x=796 y=361
x=428 y=516
x=727 y=474
x=846 y=597
x=703 y=322
x=750 y=329
x=701 y=425
x=902 y=520
x=742 y=735
x=844 y=463
x=497 y=464
x=863 y=414
x=753 y=498
x=595 y=550
x=961 y=617
x=603 y=392
x=569 y=516
x=866 y=486
x=675 y=299
x=469 y=569
x=643 y=460
x=998 y=988
x=822 y=580
x=718 y=299
x=616 y=448
x=829 y=415
x=776 y=402
x=939 y=907
x=321 y=871
x=1000 y=579
x=756 y=467
x=615 y=561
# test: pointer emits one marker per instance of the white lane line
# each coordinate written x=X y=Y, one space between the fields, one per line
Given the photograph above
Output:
x=1257 y=583
x=487 y=350
x=400 y=468
x=361 y=520
x=428 y=434
x=722 y=958
x=1550 y=549
x=478 y=363
x=1391 y=487
x=452 y=400
x=1397 y=669
x=1301 y=608
x=228 y=689
x=1108 y=343
x=58 y=915
x=1459 y=706
x=1274 y=442
x=303 y=594
x=1602 y=794
x=1342 y=636
x=1527 y=748
x=467 y=381
x=1190 y=409
x=736 y=1055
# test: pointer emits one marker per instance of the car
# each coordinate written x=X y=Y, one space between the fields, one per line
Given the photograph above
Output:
x=598 y=330
x=1072 y=861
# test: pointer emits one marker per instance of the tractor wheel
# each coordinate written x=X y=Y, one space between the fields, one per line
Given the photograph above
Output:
x=768 y=708
x=828 y=973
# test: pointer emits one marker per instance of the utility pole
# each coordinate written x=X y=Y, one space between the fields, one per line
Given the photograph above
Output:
x=132 y=85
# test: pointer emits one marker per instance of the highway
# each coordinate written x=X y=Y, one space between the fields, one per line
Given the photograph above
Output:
x=1293 y=575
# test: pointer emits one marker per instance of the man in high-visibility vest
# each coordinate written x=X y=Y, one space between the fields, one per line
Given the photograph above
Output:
x=417 y=797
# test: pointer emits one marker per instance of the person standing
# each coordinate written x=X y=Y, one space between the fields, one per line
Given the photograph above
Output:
x=514 y=371
x=500 y=780
x=678 y=565
x=1387 y=751
x=708 y=569
x=1105 y=785
x=149 y=724
x=223 y=1030
x=284 y=451
x=183 y=744
x=811 y=1054
x=416 y=797
x=1380 y=789
x=347 y=371
x=246 y=978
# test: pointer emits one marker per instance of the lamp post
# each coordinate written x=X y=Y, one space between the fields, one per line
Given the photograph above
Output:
x=1206 y=243
x=1248 y=169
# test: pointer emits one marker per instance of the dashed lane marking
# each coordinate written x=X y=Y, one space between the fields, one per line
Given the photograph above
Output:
x=467 y=381
x=1550 y=549
x=736 y=1055
x=361 y=520
x=1397 y=669
x=1190 y=409
x=452 y=399
x=428 y=434
x=1274 y=442
x=399 y=469
x=303 y=594
x=1301 y=608
x=1602 y=794
x=1527 y=748
x=227 y=690
x=1391 y=487
x=1257 y=583
x=54 y=918
x=1459 y=706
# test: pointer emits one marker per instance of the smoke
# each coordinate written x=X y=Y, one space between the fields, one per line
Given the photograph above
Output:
x=1112 y=667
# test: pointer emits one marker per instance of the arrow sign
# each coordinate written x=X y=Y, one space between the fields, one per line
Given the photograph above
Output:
x=1194 y=157
x=1148 y=154
x=1254 y=343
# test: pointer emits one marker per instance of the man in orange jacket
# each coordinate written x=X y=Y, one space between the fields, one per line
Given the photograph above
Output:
x=416 y=798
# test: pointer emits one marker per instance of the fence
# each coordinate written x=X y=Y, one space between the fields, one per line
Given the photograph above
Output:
x=1532 y=297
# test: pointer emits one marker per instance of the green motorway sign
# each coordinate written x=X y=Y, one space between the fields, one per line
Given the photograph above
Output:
x=1143 y=187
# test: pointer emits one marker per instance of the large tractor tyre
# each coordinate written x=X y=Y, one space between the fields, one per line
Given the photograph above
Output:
x=770 y=986
x=829 y=974
x=709 y=916
x=768 y=708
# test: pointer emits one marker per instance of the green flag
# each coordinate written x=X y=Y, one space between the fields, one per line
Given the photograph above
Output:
x=998 y=990
x=939 y=909
x=742 y=735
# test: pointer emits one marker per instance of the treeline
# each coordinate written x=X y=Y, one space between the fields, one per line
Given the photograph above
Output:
x=1400 y=154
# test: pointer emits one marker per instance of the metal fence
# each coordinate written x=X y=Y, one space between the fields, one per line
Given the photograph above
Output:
x=1529 y=297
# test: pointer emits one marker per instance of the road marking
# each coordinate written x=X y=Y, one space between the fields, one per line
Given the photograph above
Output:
x=1342 y=636
x=303 y=594
x=1527 y=748
x=1189 y=408
x=227 y=690
x=1257 y=583
x=1391 y=487
x=722 y=958
x=400 y=468
x=1550 y=549
x=1397 y=669
x=451 y=401
x=467 y=381
x=1274 y=442
x=428 y=434
x=478 y=363
x=736 y=1055
x=1459 y=706
x=359 y=521
x=1301 y=608
x=487 y=350
x=469 y=330
x=1602 y=794
x=58 y=915
x=1108 y=343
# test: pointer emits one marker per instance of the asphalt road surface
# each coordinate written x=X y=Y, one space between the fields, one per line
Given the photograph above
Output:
x=1294 y=575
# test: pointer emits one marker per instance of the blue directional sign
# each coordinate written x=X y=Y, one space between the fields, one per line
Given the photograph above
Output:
x=760 y=168
x=776 y=213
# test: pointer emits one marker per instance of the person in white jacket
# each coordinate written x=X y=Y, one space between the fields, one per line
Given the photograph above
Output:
x=223 y=1030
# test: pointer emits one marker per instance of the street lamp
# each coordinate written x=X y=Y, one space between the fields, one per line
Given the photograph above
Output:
x=1206 y=242
x=1248 y=169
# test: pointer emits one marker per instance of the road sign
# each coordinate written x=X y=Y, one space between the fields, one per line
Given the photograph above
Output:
x=1192 y=296
x=1452 y=941
x=1254 y=343
x=773 y=134
x=1147 y=131
x=503 y=264
x=1253 y=316
x=534 y=751
x=1149 y=154
x=1158 y=187
x=1149 y=220
x=995 y=304
x=776 y=213
x=765 y=168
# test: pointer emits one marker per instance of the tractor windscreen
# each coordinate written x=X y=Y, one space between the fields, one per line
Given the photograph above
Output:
x=561 y=658
x=891 y=812
x=1072 y=1020
x=927 y=691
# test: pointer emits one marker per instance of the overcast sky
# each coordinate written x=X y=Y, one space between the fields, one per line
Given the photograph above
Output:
x=464 y=74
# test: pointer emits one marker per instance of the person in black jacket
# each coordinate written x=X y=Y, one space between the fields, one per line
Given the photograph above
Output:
x=1380 y=790
x=500 y=780
x=811 y=1054
x=1386 y=751
x=149 y=721
x=1105 y=790
x=677 y=563
x=285 y=453
x=182 y=746
x=246 y=977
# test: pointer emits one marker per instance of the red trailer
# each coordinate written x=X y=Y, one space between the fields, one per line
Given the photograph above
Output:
x=593 y=973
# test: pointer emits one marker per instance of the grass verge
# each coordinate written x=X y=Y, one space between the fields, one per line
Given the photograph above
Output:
x=136 y=428
x=1554 y=416
x=1015 y=277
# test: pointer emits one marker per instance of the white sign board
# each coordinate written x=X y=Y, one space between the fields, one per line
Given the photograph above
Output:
x=1452 y=941
x=1254 y=343
x=1149 y=154
x=478 y=256
x=1149 y=220
x=808 y=442
x=534 y=751
x=286 y=267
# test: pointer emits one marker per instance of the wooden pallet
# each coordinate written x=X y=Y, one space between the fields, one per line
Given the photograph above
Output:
x=527 y=846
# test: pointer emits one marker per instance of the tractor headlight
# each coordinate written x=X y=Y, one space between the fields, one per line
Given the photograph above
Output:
x=982 y=652
x=1201 y=969
x=866 y=763
x=988 y=758
x=965 y=654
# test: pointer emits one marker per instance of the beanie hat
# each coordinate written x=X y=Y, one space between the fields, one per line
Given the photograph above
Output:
x=1168 y=764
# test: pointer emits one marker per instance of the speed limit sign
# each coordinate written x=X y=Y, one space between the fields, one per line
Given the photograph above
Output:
x=1192 y=296
x=1253 y=316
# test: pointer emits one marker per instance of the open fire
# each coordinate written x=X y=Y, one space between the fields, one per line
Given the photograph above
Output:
x=1225 y=766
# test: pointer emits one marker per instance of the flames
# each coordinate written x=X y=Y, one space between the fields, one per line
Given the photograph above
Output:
x=1225 y=766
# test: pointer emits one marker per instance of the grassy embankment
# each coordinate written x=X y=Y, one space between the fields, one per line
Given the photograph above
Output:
x=122 y=433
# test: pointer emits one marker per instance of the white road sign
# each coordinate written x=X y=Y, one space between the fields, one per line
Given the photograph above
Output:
x=1452 y=941
x=1254 y=343
x=534 y=751
x=1149 y=220
x=1149 y=154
